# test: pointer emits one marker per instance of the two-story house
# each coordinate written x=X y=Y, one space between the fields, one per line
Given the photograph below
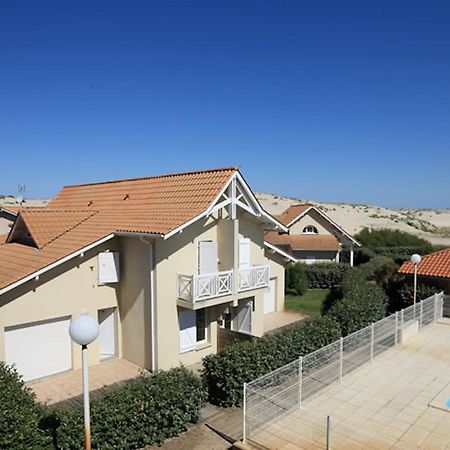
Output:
x=163 y=262
x=312 y=237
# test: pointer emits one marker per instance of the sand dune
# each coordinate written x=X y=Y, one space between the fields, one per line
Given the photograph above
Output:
x=430 y=224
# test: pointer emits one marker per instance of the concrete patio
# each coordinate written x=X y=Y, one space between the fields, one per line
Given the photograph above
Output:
x=276 y=320
x=400 y=401
x=67 y=386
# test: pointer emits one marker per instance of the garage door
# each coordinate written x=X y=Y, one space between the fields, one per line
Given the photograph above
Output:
x=39 y=349
x=269 y=297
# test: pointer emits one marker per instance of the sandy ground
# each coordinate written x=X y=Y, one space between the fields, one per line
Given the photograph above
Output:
x=430 y=224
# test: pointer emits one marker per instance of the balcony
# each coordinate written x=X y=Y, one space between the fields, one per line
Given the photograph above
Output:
x=253 y=277
x=194 y=288
x=197 y=288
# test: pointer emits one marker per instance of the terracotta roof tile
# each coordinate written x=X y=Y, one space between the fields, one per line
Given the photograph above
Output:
x=435 y=264
x=286 y=217
x=303 y=241
x=81 y=215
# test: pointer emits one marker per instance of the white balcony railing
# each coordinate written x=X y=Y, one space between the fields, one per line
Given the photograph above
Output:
x=253 y=277
x=193 y=288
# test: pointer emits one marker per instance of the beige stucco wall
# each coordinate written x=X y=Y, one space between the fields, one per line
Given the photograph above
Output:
x=323 y=226
x=65 y=291
x=321 y=256
x=277 y=271
x=135 y=301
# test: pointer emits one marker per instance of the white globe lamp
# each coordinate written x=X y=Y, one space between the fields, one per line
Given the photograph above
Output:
x=84 y=330
x=415 y=259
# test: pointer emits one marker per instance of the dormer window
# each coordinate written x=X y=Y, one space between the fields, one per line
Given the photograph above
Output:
x=310 y=229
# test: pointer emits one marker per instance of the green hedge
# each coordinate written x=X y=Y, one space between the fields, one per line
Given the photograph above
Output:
x=146 y=411
x=361 y=304
x=295 y=279
x=324 y=275
x=225 y=372
x=379 y=269
x=20 y=414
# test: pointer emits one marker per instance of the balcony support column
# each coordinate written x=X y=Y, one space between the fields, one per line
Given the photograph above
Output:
x=235 y=256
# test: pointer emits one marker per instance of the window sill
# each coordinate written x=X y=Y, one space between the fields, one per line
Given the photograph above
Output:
x=202 y=346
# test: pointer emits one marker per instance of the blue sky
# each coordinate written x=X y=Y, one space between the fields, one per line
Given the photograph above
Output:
x=340 y=101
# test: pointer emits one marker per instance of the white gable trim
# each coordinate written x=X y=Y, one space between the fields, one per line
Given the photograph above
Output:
x=279 y=251
x=229 y=196
x=55 y=264
x=327 y=219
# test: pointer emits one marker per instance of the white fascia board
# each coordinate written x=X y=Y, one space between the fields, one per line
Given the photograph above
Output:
x=279 y=251
x=328 y=219
x=13 y=213
x=137 y=234
x=56 y=263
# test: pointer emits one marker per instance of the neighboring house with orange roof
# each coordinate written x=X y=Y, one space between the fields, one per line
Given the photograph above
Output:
x=434 y=266
x=312 y=236
x=166 y=264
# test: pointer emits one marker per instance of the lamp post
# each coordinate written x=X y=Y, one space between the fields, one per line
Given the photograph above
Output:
x=83 y=330
x=415 y=259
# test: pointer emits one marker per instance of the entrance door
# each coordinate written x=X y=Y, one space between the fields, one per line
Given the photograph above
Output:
x=244 y=316
x=107 y=332
x=207 y=257
x=269 y=297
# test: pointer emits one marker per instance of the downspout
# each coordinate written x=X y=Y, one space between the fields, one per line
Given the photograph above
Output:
x=152 y=300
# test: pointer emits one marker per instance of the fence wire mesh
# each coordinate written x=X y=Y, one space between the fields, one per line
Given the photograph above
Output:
x=273 y=396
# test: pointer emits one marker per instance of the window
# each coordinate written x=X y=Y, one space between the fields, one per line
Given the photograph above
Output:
x=310 y=229
x=193 y=329
x=201 y=325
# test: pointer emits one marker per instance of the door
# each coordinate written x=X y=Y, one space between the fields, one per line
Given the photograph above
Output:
x=39 y=349
x=107 y=333
x=207 y=257
x=244 y=316
x=269 y=297
x=188 y=330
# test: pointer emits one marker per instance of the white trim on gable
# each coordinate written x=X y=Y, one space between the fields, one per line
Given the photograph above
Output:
x=279 y=251
x=326 y=218
x=235 y=193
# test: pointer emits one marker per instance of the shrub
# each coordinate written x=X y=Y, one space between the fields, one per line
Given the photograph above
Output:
x=324 y=275
x=146 y=411
x=225 y=372
x=296 y=280
x=400 y=290
x=385 y=237
x=378 y=269
x=362 y=303
x=20 y=413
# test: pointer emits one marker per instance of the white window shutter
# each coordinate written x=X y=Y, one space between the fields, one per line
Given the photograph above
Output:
x=188 y=330
x=108 y=267
x=244 y=253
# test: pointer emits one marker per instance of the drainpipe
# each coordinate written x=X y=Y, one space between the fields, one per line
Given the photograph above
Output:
x=152 y=299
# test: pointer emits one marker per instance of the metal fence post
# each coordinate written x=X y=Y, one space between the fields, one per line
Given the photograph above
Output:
x=341 y=358
x=328 y=432
x=441 y=312
x=244 y=407
x=396 y=329
x=300 y=381
x=372 y=335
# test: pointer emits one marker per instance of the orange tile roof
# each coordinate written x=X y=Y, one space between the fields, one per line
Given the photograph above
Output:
x=435 y=264
x=81 y=215
x=286 y=217
x=3 y=238
x=303 y=241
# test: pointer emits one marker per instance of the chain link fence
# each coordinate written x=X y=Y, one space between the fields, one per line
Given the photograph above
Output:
x=278 y=393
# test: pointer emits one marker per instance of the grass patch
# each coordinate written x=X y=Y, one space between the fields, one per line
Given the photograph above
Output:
x=310 y=303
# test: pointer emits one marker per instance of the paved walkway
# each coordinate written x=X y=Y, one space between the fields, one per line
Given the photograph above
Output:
x=68 y=386
x=275 y=320
x=397 y=402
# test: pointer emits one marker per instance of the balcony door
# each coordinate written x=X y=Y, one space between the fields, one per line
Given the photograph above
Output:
x=207 y=257
x=244 y=253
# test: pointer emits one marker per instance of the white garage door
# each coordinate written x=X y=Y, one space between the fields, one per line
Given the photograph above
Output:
x=39 y=349
x=269 y=297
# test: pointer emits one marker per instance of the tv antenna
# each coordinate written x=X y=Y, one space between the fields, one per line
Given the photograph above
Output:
x=20 y=198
